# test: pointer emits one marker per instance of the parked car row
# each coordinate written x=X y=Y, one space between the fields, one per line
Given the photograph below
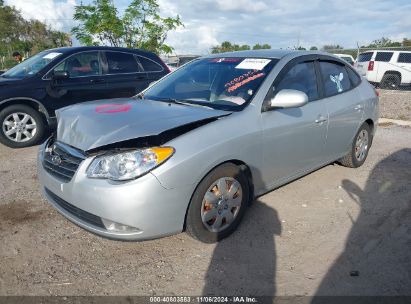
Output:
x=193 y=150
x=32 y=91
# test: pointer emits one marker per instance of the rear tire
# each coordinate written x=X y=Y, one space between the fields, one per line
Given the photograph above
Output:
x=359 y=148
x=214 y=214
x=390 y=82
x=21 y=126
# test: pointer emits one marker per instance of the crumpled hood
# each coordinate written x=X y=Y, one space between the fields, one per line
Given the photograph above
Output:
x=94 y=124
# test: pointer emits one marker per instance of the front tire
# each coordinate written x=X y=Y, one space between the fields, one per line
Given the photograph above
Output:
x=359 y=148
x=21 y=126
x=218 y=204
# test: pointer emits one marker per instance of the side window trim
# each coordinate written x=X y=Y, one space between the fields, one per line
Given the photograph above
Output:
x=159 y=71
x=338 y=63
x=47 y=76
x=128 y=73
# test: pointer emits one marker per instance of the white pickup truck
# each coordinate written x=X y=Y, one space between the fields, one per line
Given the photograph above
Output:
x=386 y=69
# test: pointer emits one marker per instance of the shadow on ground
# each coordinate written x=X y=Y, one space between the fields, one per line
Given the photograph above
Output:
x=377 y=256
x=245 y=263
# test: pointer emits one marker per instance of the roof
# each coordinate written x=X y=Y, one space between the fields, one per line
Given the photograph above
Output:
x=92 y=48
x=270 y=53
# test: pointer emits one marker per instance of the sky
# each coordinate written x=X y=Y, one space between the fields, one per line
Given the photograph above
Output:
x=280 y=23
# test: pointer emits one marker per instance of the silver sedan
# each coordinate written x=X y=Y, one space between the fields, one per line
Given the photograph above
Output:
x=193 y=150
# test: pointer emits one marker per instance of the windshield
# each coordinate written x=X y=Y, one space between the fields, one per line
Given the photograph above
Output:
x=220 y=83
x=32 y=65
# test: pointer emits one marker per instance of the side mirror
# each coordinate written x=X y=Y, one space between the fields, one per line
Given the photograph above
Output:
x=59 y=75
x=289 y=99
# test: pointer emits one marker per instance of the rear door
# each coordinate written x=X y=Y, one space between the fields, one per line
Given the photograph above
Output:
x=124 y=75
x=294 y=138
x=344 y=104
x=85 y=81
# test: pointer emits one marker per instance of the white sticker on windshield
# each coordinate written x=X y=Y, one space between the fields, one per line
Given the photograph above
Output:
x=253 y=64
x=51 y=55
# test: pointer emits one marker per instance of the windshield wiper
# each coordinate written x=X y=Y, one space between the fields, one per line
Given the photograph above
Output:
x=182 y=102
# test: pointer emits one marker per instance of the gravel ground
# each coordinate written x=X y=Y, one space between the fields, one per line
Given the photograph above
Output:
x=395 y=104
x=301 y=239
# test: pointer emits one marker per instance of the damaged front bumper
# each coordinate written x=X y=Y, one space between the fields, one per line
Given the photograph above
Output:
x=134 y=210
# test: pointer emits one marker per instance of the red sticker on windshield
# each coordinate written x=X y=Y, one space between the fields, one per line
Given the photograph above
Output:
x=113 y=108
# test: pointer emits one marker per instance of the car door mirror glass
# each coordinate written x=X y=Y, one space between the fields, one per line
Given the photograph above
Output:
x=59 y=75
x=288 y=98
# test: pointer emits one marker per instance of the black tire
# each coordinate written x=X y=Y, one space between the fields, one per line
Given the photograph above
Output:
x=194 y=223
x=35 y=115
x=351 y=160
x=390 y=82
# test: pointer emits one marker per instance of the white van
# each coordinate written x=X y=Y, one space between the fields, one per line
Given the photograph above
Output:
x=387 y=69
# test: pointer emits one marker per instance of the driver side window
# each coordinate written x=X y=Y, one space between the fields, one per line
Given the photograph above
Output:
x=301 y=77
x=80 y=65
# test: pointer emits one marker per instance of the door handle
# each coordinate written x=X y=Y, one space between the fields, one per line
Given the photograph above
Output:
x=97 y=80
x=320 y=120
x=358 y=107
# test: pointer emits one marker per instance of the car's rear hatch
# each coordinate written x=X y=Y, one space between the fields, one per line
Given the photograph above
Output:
x=363 y=62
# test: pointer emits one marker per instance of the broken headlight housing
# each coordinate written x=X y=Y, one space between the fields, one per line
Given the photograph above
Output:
x=128 y=165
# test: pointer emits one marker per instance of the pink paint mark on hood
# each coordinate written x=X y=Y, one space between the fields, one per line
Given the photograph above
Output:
x=113 y=108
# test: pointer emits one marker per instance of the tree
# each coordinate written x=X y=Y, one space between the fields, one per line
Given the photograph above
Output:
x=261 y=47
x=140 y=26
x=382 y=42
x=25 y=36
x=313 y=48
x=328 y=47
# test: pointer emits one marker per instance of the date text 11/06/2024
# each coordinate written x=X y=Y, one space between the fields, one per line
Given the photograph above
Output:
x=203 y=299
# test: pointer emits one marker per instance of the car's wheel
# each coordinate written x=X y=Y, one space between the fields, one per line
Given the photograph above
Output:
x=218 y=204
x=21 y=126
x=359 y=149
x=390 y=82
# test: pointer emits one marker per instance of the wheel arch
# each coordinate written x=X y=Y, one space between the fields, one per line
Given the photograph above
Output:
x=393 y=72
x=239 y=163
x=33 y=103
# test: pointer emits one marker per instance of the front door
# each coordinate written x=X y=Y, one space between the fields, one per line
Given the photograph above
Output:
x=294 y=138
x=85 y=81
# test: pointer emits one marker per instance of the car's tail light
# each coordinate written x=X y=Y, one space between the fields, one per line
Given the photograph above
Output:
x=370 y=65
x=377 y=93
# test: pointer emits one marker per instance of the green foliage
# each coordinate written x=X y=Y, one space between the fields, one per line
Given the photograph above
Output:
x=261 y=47
x=313 y=48
x=25 y=36
x=382 y=42
x=141 y=26
x=227 y=46
x=329 y=47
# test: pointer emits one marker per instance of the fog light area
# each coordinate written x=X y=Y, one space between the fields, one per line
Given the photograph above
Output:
x=119 y=228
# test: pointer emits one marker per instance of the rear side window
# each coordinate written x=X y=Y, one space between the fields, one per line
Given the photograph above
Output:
x=365 y=57
x=149 y=65
x=404 y=57
x=121 y=63
x=355 y=79
x=383 y=56
x=301 y=77
x=335 y=78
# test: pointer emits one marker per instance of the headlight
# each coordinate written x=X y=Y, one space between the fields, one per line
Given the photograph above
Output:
x=128 y=165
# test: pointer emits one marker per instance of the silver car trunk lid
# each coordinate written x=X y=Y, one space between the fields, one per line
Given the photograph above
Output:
x=98 y=123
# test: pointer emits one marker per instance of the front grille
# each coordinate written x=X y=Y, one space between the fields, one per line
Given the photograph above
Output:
x=77 y=212
x=61 y=161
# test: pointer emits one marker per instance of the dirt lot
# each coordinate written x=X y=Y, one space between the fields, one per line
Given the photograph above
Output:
x=302 y=239
x=395 y=104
